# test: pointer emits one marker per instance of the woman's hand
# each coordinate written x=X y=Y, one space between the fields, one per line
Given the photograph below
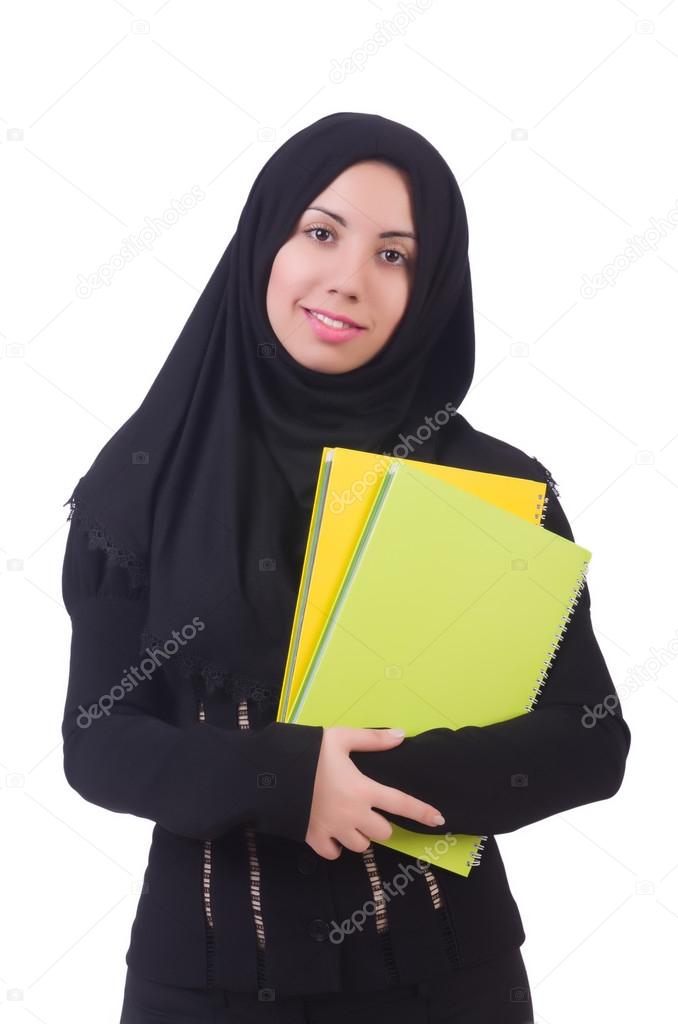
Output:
x=343 y=797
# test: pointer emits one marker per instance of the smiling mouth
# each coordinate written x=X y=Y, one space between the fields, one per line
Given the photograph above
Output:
x=337 y=322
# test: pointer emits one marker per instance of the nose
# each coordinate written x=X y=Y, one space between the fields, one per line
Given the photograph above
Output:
x=348 y=278
x=348 y=293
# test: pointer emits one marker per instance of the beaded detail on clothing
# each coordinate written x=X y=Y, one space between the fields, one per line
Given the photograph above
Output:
x=381 y=915
x=443 y=916
x=255 y=876
x=434 y=888
x=549 y=479
x=99 y=538
x=207 y=890
x=237 y=686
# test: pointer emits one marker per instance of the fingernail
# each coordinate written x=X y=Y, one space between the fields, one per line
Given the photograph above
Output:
x=438 y=819
x=397 y=732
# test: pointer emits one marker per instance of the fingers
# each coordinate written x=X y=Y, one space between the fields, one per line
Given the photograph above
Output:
x=324 y=845
x=396 y=802
x=354 y=840
x=369 y=739
x=330 y=849
x=376 y=827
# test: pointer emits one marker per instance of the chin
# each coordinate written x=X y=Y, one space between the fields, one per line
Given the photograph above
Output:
x=321 y=360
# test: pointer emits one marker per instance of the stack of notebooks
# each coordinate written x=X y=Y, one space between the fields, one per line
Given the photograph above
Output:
x=430 y=596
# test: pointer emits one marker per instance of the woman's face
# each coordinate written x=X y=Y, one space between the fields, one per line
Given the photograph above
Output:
x=354 y=258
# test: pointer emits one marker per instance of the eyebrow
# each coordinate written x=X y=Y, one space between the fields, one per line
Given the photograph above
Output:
x=382 y=234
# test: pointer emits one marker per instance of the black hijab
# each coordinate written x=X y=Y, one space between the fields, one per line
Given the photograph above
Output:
x=204 y=494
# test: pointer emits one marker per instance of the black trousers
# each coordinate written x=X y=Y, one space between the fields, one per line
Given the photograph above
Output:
x=494 y=992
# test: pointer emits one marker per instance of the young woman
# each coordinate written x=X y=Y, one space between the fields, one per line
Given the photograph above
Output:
x=339 y=314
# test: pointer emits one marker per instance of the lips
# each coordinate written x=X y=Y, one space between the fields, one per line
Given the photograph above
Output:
x=333 y=315
x=331 y=335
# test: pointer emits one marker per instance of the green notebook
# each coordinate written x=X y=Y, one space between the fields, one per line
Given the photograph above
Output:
x=449 y=614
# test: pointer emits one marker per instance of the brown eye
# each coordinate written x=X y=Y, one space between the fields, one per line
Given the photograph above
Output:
x=309 y=231
x=397 y=252
x=317 y=227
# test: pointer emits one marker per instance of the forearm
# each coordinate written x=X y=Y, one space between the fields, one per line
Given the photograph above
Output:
x=497 y=778
x=197 y=780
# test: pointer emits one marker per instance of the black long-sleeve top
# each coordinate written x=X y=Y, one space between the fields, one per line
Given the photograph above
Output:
x=232 y=895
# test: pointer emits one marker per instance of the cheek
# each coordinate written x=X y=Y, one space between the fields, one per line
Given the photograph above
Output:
x=395 y=298
x=287 y=280
x=277 y=285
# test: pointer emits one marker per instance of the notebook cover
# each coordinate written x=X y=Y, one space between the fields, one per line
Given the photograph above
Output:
x=347 y=484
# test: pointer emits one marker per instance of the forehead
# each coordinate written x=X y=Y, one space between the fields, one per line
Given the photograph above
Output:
x=370 y=192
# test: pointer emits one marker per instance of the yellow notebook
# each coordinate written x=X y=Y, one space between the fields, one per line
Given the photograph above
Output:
x=347 y=485
x=465 y=600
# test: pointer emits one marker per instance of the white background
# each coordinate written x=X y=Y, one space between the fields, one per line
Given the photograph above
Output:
x=558 y=121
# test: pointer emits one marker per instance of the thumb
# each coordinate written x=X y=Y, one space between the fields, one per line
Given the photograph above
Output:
x=373 y=739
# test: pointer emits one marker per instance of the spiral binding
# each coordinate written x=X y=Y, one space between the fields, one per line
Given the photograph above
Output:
x=476 y=851
x=542 y=506
x=572 y=602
